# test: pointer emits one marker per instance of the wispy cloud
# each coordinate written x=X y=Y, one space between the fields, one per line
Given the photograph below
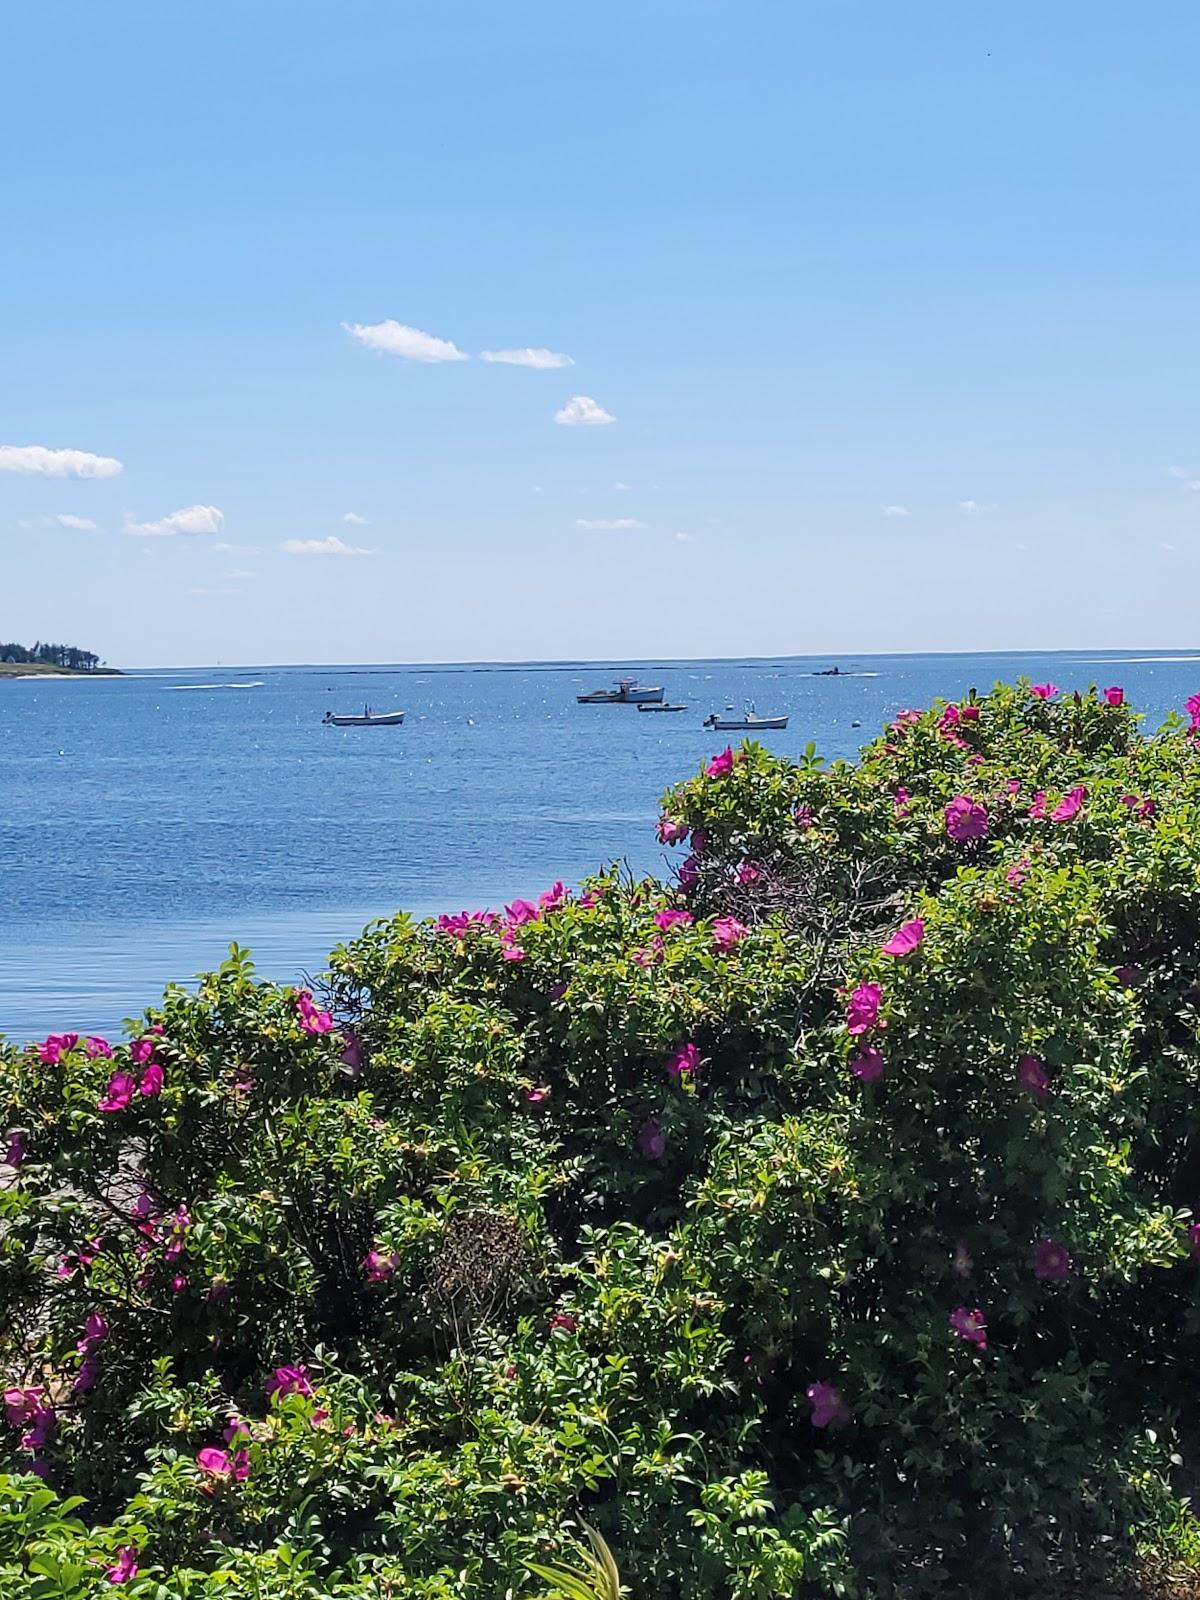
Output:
x=895 y=511
x=1182 y=472
x=542 y=359
x=581 y=411
x=608 y=522
x=969 y=508
x=353 y=518
x=333 y=546
x=36 y=458
x=683 y=538
x=84 y=524
x=233 y=573
x=410 y=344
x=620 y=486
x=191 y=519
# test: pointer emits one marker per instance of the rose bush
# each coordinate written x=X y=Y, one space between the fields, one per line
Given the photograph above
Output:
x=821 y=1223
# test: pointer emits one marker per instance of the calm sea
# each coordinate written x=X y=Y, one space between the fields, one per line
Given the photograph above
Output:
x=146 y=821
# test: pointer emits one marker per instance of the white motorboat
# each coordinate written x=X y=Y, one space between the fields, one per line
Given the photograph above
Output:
x=750 y=720
x=628 y=692
x=366 y=718
x=659 y=705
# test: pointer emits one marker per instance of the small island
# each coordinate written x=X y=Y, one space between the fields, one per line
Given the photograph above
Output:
x=51 y=661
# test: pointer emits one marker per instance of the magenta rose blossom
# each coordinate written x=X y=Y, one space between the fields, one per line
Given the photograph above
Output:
x=969 y=1326
x=118 y=1092
x=666 y=920
x=1044 y=691
x=1115 y=696
x=728 y=931
x=684 y=1060
x=906 y=938
x=966 y=819
x=827 y=1405
x=1051 y=1260
x=722 y=764
x=1031 y=1075
x=868 y=1065
x=1069 y=805
x=863 y=1008
x=670 y=832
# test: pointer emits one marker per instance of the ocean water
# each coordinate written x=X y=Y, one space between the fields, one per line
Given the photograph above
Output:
x=146 y=821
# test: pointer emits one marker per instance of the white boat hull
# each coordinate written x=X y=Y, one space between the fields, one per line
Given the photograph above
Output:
x=748 y=724
x=381 y=719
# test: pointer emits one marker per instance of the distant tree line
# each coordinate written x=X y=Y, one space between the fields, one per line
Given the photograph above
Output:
x=54 y=655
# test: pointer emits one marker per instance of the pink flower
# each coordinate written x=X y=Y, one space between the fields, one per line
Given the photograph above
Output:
x=1037 y=809
x=1127 y=976
x=969 y=713
x=1017 y=873
x=141 y=1050
x=1012 y=785
x=683 y=1060
x=651 y=1142
x=178 y=1283
x=868 y=1065
x=94 y=1046
x=727 y=931
x=21 y=1405
x=671 y=832
x=42 y=1423
x=1051 y=1260
x=555 y=896
x=902 y=800
x=652 y=955
x=722 y=764
x=699 y=841
x=85 y=1378
x=970 y=1326
x=14 y=1150
x=1193 y=709
x=124 y=1567
x=288 y=1380
x=535 y=1097
x=1044 y=691
x=666 y=920
x=510 y=950
x=746 y=872
x=589 y=898
x=241 y=1465
x=152 y=1080
x=118 y=1092
x=827 y=1405
x=803 y=818
x=1115 y=696
x=521 y=912
x=312 y=1020
x=906 y=938
x=215 y=1465
x=236 y=1428
x=563 y=1322
x=352 y=1053
x=966 y=819
x=379 y=1266
x=95 y=1331
x=56 y=1046
x=1069 y=805
x=1032 y=1075
x=1147 y=809
x=863 y=1008
x=689 y=872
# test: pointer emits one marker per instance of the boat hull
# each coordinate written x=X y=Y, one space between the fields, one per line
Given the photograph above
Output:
x=620 y=697
x=758 y=725
x=659 y=706
x=384 y=719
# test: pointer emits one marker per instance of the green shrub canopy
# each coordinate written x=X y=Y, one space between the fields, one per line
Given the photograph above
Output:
x=821 y=1222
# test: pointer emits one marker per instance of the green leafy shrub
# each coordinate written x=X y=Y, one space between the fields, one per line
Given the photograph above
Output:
x=822 y=1223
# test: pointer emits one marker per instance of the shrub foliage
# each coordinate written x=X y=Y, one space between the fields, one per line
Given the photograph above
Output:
x=819 y=1223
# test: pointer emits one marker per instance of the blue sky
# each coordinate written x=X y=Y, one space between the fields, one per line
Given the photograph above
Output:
x=815 y=259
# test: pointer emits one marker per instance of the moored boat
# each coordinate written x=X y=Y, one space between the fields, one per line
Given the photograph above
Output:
x=750 y=719
x=628 y=692
x=659 y=705
x=366 y=718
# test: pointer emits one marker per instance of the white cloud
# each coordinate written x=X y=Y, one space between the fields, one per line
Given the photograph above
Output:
x=192 y=519
x=353 y=518
x=683 y=538
x=1193 y=484
x=970 y=508
x=84 y=524
x=582 y=412
x=542 y=359
x=608 y=522
x=620 y=486
x=895 y=511
x=36 y=458
x=333 y=546
x=1180 y=472
x=410 y=344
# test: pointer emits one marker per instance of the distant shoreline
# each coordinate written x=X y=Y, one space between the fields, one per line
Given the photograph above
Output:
x=44 y=669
